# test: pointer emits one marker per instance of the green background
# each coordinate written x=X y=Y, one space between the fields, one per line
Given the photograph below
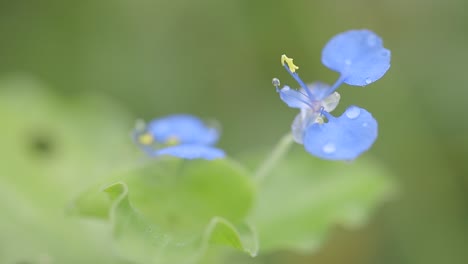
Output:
x=216 y=59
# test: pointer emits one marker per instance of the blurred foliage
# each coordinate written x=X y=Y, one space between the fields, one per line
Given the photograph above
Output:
x=46 y=160
x=216 y=59
x=310 y=196
x=170 y=210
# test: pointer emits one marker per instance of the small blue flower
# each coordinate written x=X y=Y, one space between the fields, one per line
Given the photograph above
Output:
x=358 y=55
x=182 y=136
x=361 y=59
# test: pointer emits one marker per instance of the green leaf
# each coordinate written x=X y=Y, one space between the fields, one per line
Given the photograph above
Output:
x=171 y=210
x=182 y=196
x=303 y=197
x=244 y=237
x=90 y=203
x=52 y=148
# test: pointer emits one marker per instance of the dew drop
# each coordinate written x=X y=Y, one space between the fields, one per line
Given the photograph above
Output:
x=329 y=148
x=364 y=124
x=353 y=112
x=348 y=62
x=276 y=82
x=368 y=81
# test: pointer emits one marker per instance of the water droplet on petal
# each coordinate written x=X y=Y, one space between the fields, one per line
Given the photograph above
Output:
x=353 y=112
x=368 y=81
x=276 y=82
x=329 y=148
x=364 y=124
x=348 y=62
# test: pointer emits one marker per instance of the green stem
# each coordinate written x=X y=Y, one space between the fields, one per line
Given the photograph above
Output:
x=276 y=155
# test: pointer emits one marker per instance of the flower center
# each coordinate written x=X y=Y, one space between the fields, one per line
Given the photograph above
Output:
x=146 y=139
x=172 y=140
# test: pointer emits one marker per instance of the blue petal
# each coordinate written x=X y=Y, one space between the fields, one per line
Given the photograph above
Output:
x=358 y=55
x=319 y=90
x=186 y=129
x=191 y=151
x=302 y=121
x=294 y=98
x=342 y=138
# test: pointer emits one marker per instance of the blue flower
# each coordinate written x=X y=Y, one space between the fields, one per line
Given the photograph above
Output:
x=182 y=136
x=361 y=59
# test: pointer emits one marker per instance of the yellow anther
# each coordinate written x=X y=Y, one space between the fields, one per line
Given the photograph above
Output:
x=319 y=120
x=289 y=61
x=172 y=141
x=146 y=139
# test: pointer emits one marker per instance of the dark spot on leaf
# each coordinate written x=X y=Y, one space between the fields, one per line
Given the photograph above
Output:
x=42 y=144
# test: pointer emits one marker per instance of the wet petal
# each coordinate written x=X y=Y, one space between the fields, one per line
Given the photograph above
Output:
x=319 y=90
x=182 y=129
x=342 y=138
x=358 y=55
x=331 y=102
x=305 y=118
x=321 y=93
x=191 y=151
x=294 y=98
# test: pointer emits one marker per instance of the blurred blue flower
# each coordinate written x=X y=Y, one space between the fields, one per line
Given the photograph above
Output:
x=182 y=136
x=361 y=59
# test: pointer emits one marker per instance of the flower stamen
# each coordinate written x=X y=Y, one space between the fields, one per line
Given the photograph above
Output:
x=276 y=83
x=172 y=140
x=292 y=67
x=146 y=139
